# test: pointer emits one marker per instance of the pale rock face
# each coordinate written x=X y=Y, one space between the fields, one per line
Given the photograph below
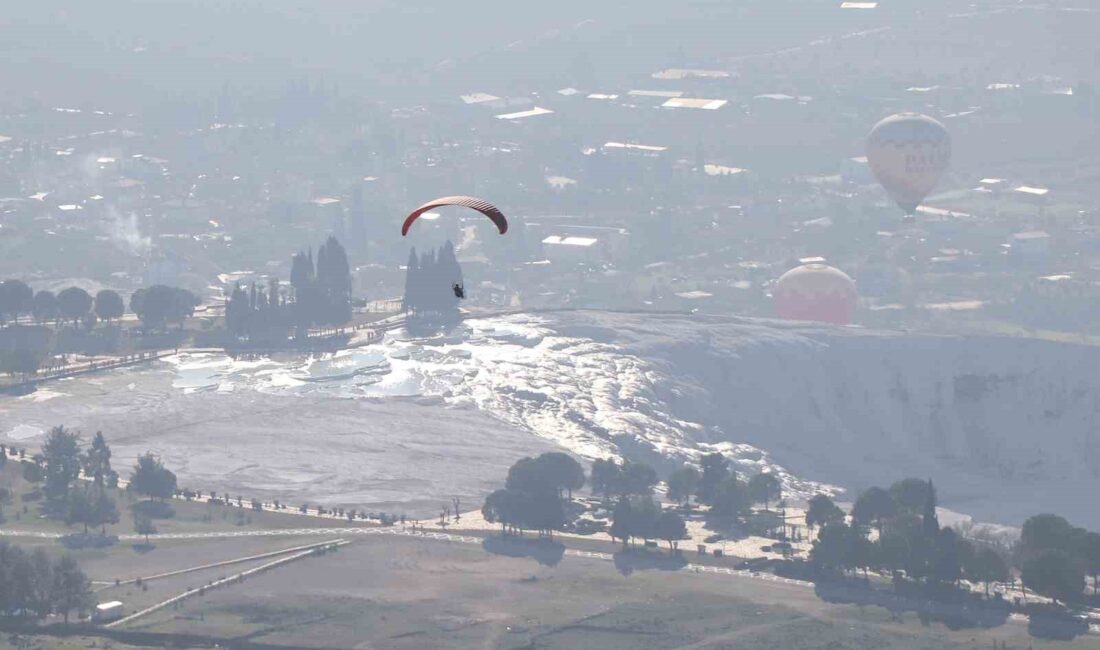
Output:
x=1006 y=428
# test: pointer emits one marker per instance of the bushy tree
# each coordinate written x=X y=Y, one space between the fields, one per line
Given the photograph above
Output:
x=682 y=483
x=1046 y=532
x=730 y=498
x=1054 y=574
x=873 y=506
x=605 y=477
x=15 y=298
x=823 y=511
x=836 y=548
x=159 y=305
x=73 y=303
x=637 y=479
x=764 y=488
x=109 y=305
x=44 y=308
x=910 y=495
x=671 y=528
x=151 y=479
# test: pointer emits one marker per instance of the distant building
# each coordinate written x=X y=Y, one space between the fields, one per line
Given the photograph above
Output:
x=570 y=250
x=1030 y=245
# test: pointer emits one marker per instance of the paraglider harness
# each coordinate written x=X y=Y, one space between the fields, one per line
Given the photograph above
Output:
x=460 y=292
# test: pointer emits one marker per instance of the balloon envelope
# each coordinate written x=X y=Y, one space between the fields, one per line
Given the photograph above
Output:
x=908 y=153
x=816 y=292
x=482 y=206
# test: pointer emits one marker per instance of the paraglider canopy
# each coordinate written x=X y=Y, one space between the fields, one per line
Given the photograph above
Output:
x=816 y=292
x=908 y=153
x=482 y=206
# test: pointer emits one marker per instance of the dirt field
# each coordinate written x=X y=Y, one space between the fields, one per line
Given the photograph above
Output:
x=408 y=593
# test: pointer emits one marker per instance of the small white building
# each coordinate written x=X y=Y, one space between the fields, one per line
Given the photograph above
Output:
x=108 y=611
x=570 y=250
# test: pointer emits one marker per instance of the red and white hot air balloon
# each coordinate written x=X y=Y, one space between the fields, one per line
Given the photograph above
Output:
x=908 y=153
x=815 y=292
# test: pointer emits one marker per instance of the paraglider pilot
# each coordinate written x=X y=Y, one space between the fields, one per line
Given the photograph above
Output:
x=460 y=293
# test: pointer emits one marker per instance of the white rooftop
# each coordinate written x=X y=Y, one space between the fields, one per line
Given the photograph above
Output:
x=694 y=295
x=324 y=200
x=522 y=114
x=685 y=73
x=602 y=96
x=568 y=92
x=858 y=5
x=721 y=170
x=656 y=93
x=478 y=98
x=636 y=147
x=687 y=102
x=558 y=240
x=1034 y=191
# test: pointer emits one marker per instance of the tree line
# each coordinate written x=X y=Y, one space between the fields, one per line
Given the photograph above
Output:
x=74 y=312
x=156 y=306
x=429 y=281
x=77 y=485
x=319 y=294
x=538 y=492
x=34 y=585
x=1052 y=557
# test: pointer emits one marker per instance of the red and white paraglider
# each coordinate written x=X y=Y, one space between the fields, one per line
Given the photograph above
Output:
x=908 y=153
x=815 y=292
x=481 y=205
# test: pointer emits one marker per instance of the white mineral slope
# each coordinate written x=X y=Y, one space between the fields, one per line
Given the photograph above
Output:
x=1005 y=426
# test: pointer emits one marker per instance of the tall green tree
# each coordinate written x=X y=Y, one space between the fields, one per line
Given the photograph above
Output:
x=715 y=468
x=72 y=590
x=61 y=465
x=97 y=462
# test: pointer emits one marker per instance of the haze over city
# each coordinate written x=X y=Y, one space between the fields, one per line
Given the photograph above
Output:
x=567 y=325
